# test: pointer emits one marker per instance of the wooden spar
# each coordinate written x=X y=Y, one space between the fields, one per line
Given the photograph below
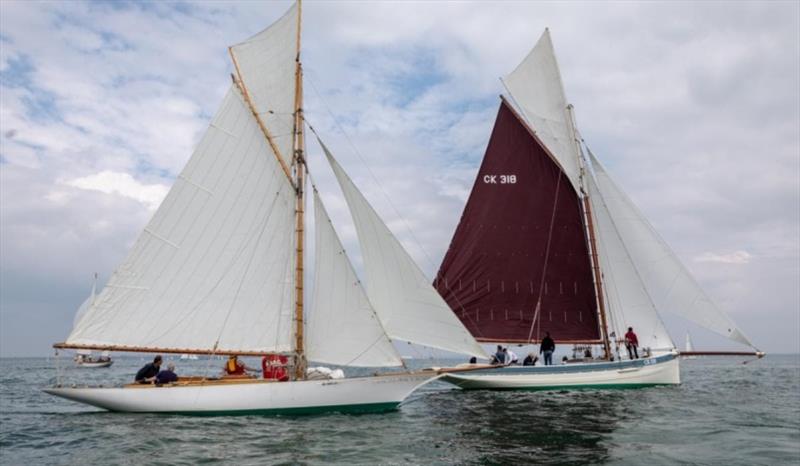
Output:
x=534 y=341
x=240 y=84
x=144 y=349
x=298 y=146
x=758 y=354
x=598 y=275
x=589 y=219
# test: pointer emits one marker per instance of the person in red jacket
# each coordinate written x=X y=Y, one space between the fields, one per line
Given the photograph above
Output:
x=632 y=342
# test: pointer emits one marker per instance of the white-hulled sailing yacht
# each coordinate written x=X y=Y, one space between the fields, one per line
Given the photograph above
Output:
x=548 y=242
x=218 y=270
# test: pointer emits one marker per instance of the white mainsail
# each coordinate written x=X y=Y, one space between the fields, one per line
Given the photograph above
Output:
x=629 y=305
x=209 y=272
x=536 y=89
x=408 y=305
x=266 y=64
x=343 y=328
x=86 y=303
x=670 y=286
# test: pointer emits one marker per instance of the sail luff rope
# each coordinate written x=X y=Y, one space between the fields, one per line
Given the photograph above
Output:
x=386 y=195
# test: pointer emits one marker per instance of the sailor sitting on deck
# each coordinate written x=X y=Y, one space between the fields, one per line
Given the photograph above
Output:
x=168 y=375
x=511 y=358
x=235 y=367
x=530 y=360
x=499 y=357
x=148 y=373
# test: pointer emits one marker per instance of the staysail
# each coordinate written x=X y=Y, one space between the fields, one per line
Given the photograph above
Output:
x=409 y=307
x=670 y=286
x=343 y=328
x=209 y=271
x=518 y=263
x=629 y=305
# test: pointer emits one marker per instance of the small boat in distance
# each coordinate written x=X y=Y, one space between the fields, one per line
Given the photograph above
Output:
x=84 y=358
x=548 y=242
x=689 y=348
x=219 y=270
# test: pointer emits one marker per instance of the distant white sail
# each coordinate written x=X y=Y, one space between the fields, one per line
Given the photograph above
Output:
x=689 y=346
x=670 y=286
x=408 y=305
x=267 y=65
x=536 y=89
x=210 y=268
x=343 y=328
x=86 y=304
x=629 y=305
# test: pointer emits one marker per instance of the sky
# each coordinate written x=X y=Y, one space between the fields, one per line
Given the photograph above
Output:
x=693 y=107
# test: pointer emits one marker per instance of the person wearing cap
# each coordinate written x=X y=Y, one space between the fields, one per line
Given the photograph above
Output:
x=148 y=373
x=168 y=375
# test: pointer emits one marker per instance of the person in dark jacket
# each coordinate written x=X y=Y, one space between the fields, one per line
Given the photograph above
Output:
x=168 y=375
x=499 y=358
x=148 y=373
x=547 y=348
x=530 y=360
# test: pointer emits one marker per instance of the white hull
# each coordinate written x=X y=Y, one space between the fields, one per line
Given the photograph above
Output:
x=660 y=370
x=95 y=364
x=362 y=394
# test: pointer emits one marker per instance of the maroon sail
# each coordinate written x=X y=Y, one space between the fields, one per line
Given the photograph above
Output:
x=521 y=238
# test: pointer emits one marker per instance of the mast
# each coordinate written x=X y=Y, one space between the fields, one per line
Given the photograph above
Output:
x=589 y=222
x=298 y=147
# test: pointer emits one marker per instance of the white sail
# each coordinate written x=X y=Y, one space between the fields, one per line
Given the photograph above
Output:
x=86 y=304
x=689 y=346
x=537 y=91
x=629 y=305
x=408 y=305
x=210 y=269
x=343 y=328
x=670 y=286
x=267 y=63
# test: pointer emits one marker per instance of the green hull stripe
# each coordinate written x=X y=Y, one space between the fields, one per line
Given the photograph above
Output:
x=303 y=411
x=615 y=386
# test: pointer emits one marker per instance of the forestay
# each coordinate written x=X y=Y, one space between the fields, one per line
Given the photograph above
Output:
x=408 y=305
x=629 y=304
x=211 y=271
x=536 y=88
x=343 y=328
x=668 y=283
x=267 y=65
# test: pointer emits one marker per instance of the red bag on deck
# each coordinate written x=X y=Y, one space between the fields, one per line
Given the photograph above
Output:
x=274 y=367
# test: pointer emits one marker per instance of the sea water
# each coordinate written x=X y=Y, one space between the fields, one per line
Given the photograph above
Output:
x=724 y=412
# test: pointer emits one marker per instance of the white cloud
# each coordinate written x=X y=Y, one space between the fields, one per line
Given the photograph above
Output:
x=124 y=185
x=694 y=108
x=736 y=257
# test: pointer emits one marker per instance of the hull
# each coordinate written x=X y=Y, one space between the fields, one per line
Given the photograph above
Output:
x=95 y=364
x=356 y=395
x=659 y=370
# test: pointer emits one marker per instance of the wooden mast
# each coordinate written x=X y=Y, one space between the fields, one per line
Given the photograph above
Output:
x=298 y=147
x=589 y=223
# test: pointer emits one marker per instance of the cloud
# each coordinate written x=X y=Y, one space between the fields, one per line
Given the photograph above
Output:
x=122 y=184
x=694 y=109
x=736 y=257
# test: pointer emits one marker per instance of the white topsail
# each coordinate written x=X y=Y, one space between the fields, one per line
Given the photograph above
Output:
x=343 y=328
x=536 y=89
x=267 y=65
x=408 y=305
x=629 y=305
x=670 y=286
x=212 y=268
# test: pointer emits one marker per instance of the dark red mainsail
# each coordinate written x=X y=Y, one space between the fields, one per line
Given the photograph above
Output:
x=521 y=237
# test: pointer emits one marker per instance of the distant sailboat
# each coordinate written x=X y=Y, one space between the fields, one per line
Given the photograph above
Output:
x=218 y=270
x=689 y=348
x=548 y=242
x=83 y=357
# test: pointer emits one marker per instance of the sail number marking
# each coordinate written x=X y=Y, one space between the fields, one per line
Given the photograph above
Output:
x=500 y=179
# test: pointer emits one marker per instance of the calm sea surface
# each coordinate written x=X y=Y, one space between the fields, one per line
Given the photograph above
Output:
x=723 y=413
